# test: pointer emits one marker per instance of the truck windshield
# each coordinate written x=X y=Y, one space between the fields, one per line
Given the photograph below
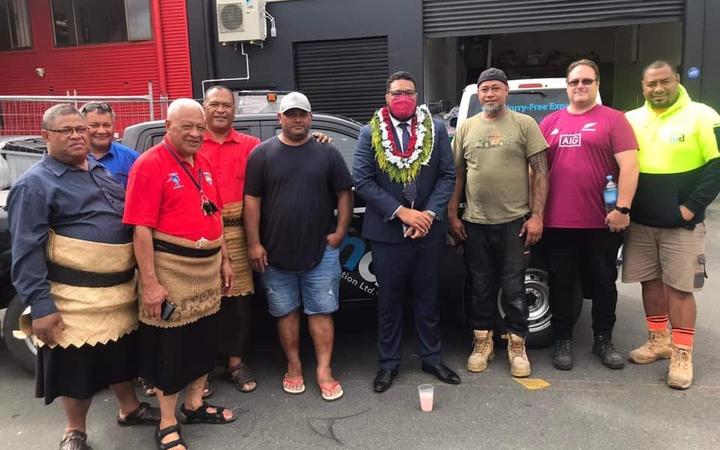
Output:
x=536 y=103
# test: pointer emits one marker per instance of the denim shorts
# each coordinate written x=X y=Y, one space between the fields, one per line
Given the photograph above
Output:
x=317 y=289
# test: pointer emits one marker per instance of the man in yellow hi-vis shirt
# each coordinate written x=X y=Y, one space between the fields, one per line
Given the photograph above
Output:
x=664 y=245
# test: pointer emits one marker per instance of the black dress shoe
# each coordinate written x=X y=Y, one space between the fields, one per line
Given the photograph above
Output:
x=442 y=372
x=383 y=380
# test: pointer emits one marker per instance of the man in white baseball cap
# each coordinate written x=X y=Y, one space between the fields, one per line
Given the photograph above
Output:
x=292 y=186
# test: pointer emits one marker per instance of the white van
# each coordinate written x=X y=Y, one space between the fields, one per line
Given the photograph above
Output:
x=536 y=97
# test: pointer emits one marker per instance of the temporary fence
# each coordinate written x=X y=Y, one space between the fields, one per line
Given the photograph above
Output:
x=21 y=114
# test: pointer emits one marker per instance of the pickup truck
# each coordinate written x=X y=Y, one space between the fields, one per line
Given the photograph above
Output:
x=358 y=285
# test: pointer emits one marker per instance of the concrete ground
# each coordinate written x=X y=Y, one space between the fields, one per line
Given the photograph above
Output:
x=590 y=407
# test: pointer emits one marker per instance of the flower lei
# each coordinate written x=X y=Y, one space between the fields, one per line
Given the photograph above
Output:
x=398 y=165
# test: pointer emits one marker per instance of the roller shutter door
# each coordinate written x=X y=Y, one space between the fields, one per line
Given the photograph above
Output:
x=345 y=77
x=446 y=18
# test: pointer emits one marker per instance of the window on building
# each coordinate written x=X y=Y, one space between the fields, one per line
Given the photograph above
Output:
x=82 y=22
x=14 y=25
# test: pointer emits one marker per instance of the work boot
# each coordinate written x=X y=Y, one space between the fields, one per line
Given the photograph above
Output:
x=519 y=364
x=483 y=351
x=604 y=348
x=680 y=373
x=658 y=346
x=562 y=354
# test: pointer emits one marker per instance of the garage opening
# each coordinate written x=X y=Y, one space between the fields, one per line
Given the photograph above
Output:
x=621 y=52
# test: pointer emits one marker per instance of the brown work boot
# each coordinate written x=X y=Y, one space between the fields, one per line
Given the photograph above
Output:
x=680 y=374
x=658 y=346
x=519 y=363
x=483 y=351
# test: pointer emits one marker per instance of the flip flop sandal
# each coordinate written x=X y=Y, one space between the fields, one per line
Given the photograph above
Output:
x=295 y=385
x=240 y=375
x=160 y=434
x=144 y=414
x=201 y=415
x=209 y=388
x=74 y=440
x=327 y=388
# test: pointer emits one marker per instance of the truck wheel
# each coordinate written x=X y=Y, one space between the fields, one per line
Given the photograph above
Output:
x=537 y=292
x=22 y=350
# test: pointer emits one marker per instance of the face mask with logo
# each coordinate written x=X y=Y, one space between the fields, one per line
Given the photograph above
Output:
x=403 y=107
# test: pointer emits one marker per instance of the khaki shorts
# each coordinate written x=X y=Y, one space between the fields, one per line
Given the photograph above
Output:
x=675 y=255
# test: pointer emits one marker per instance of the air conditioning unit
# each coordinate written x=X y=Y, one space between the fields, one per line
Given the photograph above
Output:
x=241 y=20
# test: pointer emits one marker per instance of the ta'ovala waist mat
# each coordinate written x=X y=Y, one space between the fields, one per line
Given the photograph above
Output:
x=94 y=288
x=237 y=249
x=190 y=271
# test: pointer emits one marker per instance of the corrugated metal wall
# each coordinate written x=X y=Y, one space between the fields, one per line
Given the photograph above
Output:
x=444 y=18
x=102 y=69
x=177 y=53
x=345 y=76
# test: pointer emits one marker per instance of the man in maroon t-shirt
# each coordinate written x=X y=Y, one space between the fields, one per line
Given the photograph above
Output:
x=587 y=143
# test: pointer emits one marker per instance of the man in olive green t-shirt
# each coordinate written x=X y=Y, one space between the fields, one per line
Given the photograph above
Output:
x=503 y=218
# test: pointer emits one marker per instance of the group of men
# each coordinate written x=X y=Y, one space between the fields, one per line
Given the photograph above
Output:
x=663 y=158
x=200 y=210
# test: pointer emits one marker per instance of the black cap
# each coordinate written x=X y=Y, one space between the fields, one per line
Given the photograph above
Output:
x=492 y=74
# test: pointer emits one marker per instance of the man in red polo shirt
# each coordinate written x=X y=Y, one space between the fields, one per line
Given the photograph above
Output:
x=228 y=151
x=174 y=203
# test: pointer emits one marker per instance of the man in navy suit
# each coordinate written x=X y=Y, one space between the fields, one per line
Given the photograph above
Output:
x=403 y=169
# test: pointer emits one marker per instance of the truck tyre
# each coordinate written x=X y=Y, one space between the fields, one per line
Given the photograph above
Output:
x=537 y=293
x=22 y=350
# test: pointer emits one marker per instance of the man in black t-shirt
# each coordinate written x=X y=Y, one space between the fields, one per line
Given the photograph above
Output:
x=292 y=186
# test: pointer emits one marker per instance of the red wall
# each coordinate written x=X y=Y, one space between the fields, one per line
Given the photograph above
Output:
x=101 y=69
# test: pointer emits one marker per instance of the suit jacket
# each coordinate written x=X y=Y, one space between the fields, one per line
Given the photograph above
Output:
x=435 y=184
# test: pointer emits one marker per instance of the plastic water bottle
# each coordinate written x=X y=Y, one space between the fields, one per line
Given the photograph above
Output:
x=610 y=193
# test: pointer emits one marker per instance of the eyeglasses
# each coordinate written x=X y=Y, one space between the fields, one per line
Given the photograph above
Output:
x=584 y=82
x=67 y=132
x=103 y=108
x=408 y=93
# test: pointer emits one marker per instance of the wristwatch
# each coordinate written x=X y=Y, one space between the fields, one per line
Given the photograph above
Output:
x=622 y=210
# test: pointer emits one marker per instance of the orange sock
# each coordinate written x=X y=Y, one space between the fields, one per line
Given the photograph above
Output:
x=657 y=323
x=683 y=336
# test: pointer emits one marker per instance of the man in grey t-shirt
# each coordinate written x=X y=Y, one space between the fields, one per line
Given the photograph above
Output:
x=492 y=153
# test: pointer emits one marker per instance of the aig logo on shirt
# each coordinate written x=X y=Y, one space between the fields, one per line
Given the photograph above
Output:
x=570 y=140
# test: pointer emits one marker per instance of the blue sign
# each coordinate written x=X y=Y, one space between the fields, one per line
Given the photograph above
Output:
x=693 y=72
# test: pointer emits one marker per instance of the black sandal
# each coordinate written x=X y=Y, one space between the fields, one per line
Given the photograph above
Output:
x=146 y=387
x=209 y=388
x=201 y=415
x=241 y=375
x=75 y=440
x=160 y=434
x=144 y=414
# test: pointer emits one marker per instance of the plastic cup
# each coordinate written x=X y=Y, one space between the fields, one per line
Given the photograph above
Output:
x=426 y=397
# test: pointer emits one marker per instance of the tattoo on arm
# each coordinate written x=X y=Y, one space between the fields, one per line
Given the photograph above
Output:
x=539 y=182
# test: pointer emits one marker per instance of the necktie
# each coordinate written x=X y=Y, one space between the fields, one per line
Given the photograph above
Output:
x=405 y=136
x=409 y=189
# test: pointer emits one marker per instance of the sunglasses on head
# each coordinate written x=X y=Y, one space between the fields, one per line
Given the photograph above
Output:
x=94 y=106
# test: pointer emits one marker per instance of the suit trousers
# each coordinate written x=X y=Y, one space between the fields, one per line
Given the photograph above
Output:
x=408 y=269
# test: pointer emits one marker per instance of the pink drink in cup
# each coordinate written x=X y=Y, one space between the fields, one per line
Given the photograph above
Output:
x=426 y=397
